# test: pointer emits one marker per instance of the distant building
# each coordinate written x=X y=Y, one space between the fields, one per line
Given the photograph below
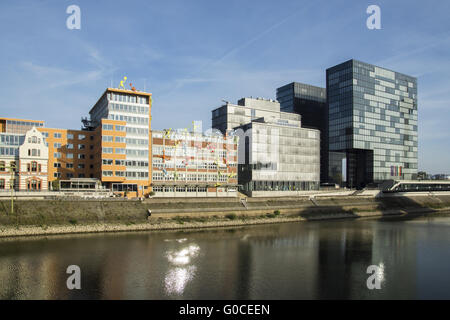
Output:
x=372 y=116
x=276 y=155
x=441 y=176
x=230 y=116
x=311 y=103
x=191 y=164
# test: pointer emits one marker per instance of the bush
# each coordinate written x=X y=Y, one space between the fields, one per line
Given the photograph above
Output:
x=73 y=221
x=231 y=216
x=152 y=193
x=276 y=212
x=270 y=215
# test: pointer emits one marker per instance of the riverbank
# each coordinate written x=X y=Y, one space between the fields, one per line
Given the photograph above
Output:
x=200 y=222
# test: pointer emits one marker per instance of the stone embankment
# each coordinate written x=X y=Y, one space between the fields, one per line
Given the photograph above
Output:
x=45 y=217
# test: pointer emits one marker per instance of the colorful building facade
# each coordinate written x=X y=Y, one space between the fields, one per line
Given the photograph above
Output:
x=190 y=164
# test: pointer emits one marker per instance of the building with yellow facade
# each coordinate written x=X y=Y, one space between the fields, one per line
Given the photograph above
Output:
x=113 y=146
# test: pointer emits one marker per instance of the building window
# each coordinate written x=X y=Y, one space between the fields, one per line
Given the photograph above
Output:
x=2 y=184
x=81 y=166
x=69 y=175
x=81 y=137
x=34 y=184
x=57 y=155
x=81 y=146
x=69 y=165
x=2 y=166
x=69 y=146
x=69 y=136
x=70 y=156
x=57 y=175
x=81 y=156
x=57 y=145
x=57 y=135
x=34 y=166
x=108 y=127
x=57 y=165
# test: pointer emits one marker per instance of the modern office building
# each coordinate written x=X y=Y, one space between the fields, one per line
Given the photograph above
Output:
x=372 y=116
x=311 y=103
x=121 y=123
x=192 y=164
x=276 y=155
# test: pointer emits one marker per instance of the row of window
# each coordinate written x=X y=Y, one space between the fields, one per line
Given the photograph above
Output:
x=128 y=108
x=58 y=145
x=120 y=97
x=110 y=127
x=70 y=175
x=128 y=174
x=127 y=163
x=32 y=184
x=179 y=189
x=180 y=176
x=70 y=136
x=70 y=165
x=128 y=119
x=58 y=155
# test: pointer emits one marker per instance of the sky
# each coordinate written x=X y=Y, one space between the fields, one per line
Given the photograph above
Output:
x=192 y=54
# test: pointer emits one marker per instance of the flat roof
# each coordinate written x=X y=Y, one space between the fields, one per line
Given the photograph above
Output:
x=25 y=120
x=142 y=93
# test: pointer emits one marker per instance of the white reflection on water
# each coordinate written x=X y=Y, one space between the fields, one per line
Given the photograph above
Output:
x=177 y=277
x=380 y=272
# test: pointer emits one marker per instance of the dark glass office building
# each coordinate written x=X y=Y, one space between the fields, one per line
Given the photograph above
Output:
x=311 y=103
x=372 y=114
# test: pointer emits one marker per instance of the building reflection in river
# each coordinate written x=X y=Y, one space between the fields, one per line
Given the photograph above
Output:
x=313 y=260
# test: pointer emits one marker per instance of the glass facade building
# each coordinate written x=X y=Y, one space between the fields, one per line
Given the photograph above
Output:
x=372 y=116
x=311 y=103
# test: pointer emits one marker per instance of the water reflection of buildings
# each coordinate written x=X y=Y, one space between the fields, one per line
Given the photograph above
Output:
x=314 y=260
x=343 y=262
x=396 y=247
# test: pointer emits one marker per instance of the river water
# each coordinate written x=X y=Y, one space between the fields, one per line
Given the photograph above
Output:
x=303 y=260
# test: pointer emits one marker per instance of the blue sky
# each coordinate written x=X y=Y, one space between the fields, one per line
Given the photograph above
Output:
x=192 y=54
